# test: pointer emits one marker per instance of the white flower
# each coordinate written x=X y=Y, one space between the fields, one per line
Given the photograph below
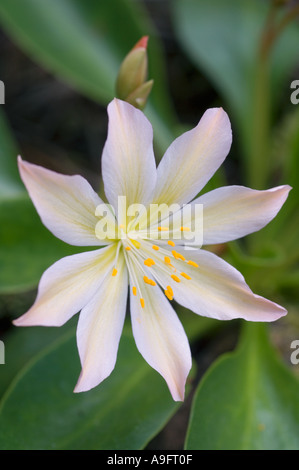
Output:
x=96 y=282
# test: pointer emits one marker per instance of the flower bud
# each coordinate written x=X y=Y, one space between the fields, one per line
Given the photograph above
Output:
x=131 y=85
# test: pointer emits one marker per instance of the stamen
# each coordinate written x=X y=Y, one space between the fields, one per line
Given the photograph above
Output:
x=163 y=229
x=114 y=272
x=167 y=260
x=142 y=302
x=155 y=247
x=193 y=264
x=175 y=278
x=171 y=243
x=149 y=281
x=178 y=255
x=149 y=262
x=134 y=289
x=185 y=229
x=168 y=294
x=128 y=248
x=170 y=290
x=186 y=276
x=121 y=226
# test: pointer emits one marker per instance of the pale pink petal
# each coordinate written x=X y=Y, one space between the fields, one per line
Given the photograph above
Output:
x=67 y=286
x=160 y=338
x=128 y=162
x=66 y=204
x=99 y=329
x=216 y=289
x=235 y=211
x=192 y=159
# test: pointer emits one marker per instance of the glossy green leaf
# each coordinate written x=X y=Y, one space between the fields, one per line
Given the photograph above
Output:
x=27 y=248
x=247 y=400
x=40 y=411
x=22 y=344
x=84 y=42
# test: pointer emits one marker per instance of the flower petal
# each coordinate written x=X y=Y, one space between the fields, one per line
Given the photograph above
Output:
x=161 y=339
x=128 y=162
x=234 y=211
x=66 y=204
x=99 y=329
x=215 y=289
x=192 y=159
x=67 y=286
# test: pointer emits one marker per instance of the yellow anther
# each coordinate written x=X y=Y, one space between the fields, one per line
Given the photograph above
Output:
x=171 y=243
x=175 y=278
x=142 y=302
x=149 y=281
x=169 y=290
x=134 y=289
x=168 y=294
x=149 y=262
x=186 y=276
x=114 y=272
x=136 y=243
x=163 y=229
x=178 y=255
x=121 y=226
x=167 y=260
x=128 y=248
x=193 y=264
x=155 y=247
x=185 y=229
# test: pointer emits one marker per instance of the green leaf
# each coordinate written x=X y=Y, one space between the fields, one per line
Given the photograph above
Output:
x=247 y=400
x=40 y=411
x=27 y=248
x=22 y=344
x=83 y=42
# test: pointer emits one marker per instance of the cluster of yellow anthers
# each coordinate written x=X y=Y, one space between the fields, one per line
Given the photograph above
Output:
x=149 y=262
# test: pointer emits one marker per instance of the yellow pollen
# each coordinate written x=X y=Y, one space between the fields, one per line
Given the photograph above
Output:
x=169 y=290
x=168 y=294
x=149 y=281
x=142 y=302
x=167 y=260
x=186 y=276
x=128 y=248
x=163 y=229
x=121 y=226
x=136 y=243
x=193 y=264
x=114 y=272
x=134 y=289
x=175 y=278
x=155 y=247
x=171 y=243
x=185 y=229
x=178 y=255
x=149 y=262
